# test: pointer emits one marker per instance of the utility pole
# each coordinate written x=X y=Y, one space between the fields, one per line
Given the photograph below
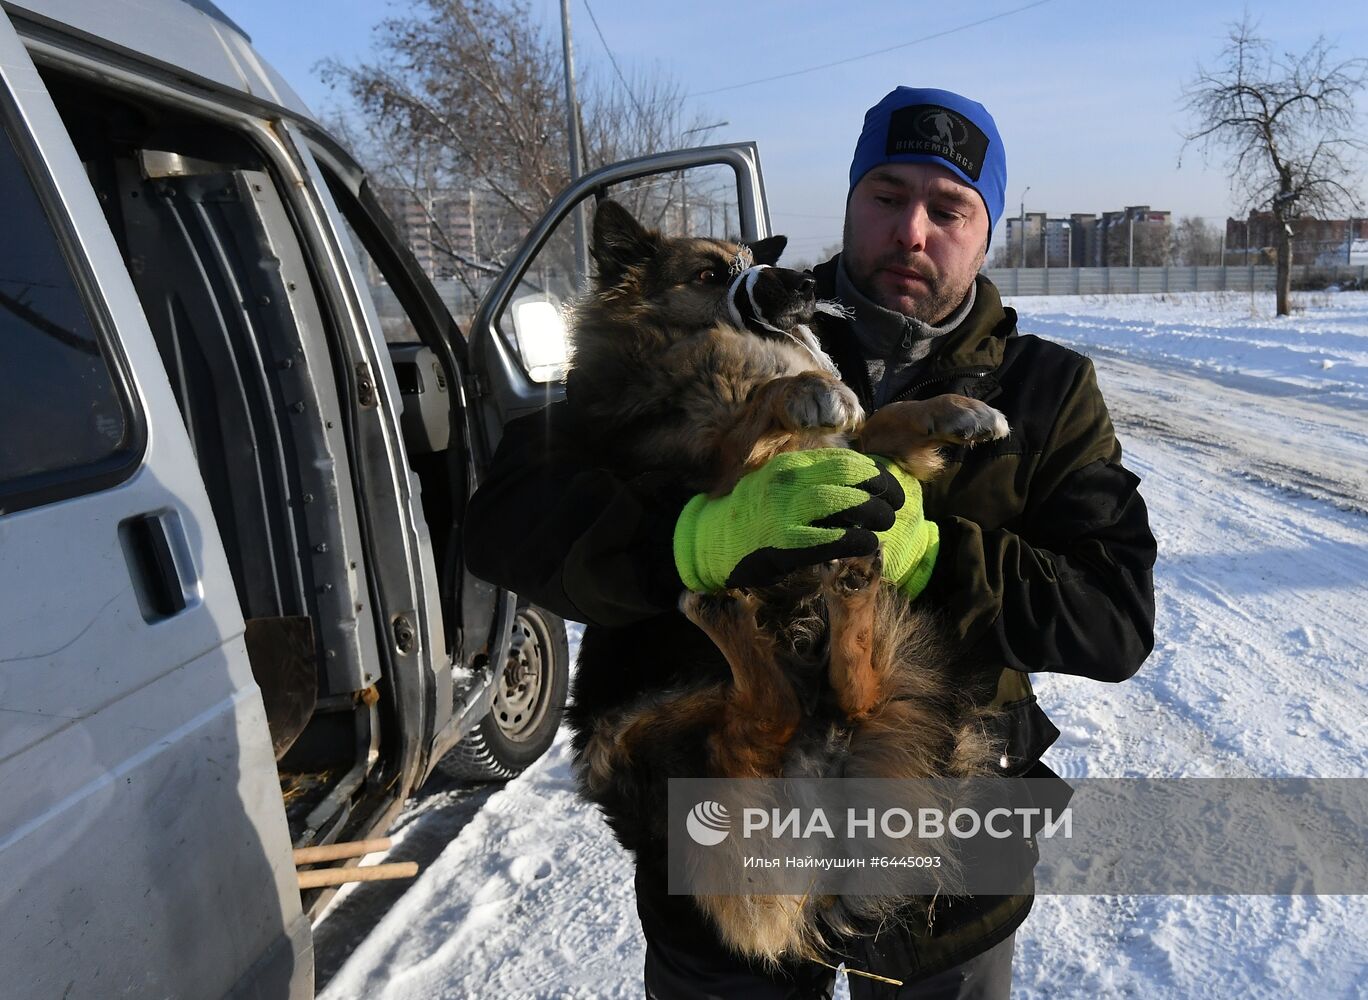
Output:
x=1023 y=225
x=1130 y=251
x=576 y=152
x=684 y=174
x=470 y=209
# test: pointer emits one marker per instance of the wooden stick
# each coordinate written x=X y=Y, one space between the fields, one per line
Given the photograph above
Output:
x=336 y=852
x=320 y=877
x=857 y=972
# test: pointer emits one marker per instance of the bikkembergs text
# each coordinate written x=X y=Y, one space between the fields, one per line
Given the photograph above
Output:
x=928 y=824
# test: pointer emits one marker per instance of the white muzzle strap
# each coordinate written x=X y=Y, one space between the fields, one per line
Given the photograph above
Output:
x=741 y=292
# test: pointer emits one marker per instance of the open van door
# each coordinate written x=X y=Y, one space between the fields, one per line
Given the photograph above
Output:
x=445 y=449
x=143 y=843
x=517 y=338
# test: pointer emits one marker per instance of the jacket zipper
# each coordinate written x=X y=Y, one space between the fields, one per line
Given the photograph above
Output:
x=910 y=391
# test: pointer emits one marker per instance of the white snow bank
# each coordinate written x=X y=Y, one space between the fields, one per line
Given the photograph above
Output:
x=1322 y=346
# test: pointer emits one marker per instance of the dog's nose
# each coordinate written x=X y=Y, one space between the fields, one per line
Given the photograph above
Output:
x=808 y=285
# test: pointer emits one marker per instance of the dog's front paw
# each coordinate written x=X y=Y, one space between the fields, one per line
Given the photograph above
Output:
x=969 y=421
x=819 y=401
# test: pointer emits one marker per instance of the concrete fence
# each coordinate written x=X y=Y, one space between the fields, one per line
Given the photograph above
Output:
x=1151 y=280
x=1009 y=280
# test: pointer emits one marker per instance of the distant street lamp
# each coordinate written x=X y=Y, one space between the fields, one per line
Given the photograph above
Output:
x=572 y=109
x=1023 y=225
x=684 y=176
x=702 y=128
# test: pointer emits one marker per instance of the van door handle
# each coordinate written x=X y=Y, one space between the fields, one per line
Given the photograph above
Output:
x=154 y=545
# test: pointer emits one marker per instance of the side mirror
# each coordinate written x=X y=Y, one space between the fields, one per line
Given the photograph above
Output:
x=540 y=336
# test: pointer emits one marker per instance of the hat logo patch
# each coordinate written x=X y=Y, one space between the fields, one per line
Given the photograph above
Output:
x=929 y=129
x=942 y=127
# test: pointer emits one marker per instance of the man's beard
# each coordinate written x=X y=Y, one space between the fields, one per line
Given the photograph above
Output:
x=934 y=303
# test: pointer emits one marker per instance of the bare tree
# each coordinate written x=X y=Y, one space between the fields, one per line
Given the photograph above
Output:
x=1153 y=244
x=1288 y=124
x=807 y=263
x=1003 y=256
x=465 y=98
x=1009 y=254
x=1138 y=242
x=1196 y=244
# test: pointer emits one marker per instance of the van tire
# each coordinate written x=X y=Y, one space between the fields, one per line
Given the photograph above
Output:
x=528 y=702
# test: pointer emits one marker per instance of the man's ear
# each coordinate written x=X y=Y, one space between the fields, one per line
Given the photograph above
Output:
x=620 y=242
x=768 y=251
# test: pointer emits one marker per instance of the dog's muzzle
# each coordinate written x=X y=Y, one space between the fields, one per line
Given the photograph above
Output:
x=761 y=301
x=746 y=312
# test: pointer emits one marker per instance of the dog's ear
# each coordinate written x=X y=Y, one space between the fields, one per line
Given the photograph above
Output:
x=620 y=242
x=768 y=251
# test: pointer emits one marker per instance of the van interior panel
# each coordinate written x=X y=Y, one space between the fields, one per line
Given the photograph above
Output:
x=211 y=250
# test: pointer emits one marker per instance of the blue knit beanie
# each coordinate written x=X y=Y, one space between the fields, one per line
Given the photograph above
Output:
x=922 y=125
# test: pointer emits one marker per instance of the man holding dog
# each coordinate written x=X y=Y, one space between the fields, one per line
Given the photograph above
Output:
x=1036 y=549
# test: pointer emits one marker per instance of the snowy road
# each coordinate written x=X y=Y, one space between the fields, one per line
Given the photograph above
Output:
x=1268 y=431
x=1257 y=484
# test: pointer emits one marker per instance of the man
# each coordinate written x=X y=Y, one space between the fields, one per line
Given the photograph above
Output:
x=1036 y=549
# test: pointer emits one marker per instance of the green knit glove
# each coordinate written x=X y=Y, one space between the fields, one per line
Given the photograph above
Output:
x=911 y=545
x=798 y=509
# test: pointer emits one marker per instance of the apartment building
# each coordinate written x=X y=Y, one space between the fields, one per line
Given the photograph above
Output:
x=1135 y=235
x=1327 y=242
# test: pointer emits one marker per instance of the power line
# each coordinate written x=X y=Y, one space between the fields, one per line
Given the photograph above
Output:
x=865 y=55
x=641 y=114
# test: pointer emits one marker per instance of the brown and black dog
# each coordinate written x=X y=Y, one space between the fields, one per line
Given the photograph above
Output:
x=691 y=357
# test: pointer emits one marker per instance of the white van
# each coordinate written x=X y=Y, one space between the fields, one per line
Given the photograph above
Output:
x=238 y=428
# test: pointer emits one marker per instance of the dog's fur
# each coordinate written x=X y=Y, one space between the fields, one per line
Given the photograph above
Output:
x=827 y=673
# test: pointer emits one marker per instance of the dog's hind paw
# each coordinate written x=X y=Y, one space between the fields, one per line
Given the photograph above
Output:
x=848 y=576
x=711 y=611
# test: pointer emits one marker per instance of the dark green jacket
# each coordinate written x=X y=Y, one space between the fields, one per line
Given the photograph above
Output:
x=1045 y=559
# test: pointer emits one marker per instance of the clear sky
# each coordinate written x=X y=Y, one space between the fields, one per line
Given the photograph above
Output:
x=1085 y=94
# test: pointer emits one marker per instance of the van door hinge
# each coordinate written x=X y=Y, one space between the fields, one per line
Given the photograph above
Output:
x=405 y=636
x=365 y=386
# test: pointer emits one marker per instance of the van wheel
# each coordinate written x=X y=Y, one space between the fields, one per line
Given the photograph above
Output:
x=528 y=701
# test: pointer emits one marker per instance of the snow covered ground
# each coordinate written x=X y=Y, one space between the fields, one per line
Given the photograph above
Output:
x=1322 y=346
x=1254 y=455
